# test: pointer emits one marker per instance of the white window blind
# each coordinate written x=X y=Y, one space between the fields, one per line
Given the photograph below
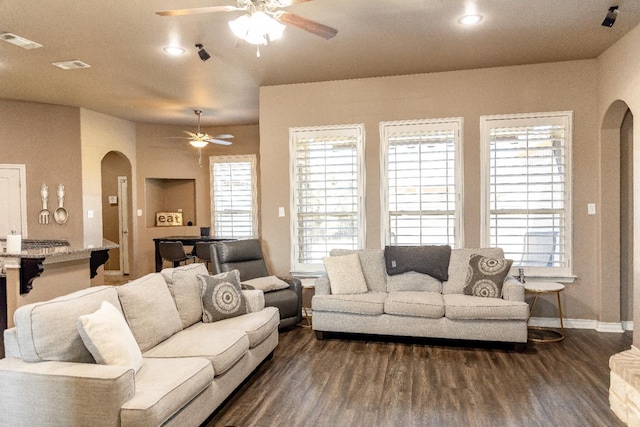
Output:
x=327 y=175
x=233 y=196
x=422 y=182
x=527 y=180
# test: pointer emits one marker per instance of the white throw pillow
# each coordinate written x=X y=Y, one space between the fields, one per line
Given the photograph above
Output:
x=266 y=283
x=345 y=274
x=108 y=338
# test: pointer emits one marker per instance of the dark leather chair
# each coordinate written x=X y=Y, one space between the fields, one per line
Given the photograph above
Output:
x=246 y=257
x=174 y=253
x=203 y=252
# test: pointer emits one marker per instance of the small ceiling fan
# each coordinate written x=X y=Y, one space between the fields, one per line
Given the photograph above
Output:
x=260 y=13
x=200 y=139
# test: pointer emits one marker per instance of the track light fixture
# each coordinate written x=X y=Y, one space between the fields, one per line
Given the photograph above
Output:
x=203 y=54
x=612 y=14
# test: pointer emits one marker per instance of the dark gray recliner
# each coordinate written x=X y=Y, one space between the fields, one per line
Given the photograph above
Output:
x=246 y=257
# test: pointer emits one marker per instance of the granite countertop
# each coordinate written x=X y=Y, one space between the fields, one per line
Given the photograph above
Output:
x=33 y=248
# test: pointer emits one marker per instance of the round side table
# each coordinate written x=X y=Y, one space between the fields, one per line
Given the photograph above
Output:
x=542 y=334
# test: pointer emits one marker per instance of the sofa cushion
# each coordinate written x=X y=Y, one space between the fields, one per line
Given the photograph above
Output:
x=258 y=326
x=223 y=348
x=418 y=304
x=185 y=289
x=431 y=260
x=486 y=276
x=163 y=387
x=48 y=330
x=149 y=309
x=221 y=296
x=413 y=281
x=466 y=307
x=345 y=274
x=108 y=338
x=370 y=303
x=459 y=267
x=372 y=263
x=265 y=284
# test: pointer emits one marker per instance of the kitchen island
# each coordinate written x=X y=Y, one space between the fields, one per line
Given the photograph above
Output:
x=45 y=269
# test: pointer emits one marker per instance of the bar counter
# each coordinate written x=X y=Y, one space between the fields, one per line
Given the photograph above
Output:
x=45 y=269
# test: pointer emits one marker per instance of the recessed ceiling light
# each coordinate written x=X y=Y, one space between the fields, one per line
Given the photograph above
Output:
x=470 y=19
x=174 y=50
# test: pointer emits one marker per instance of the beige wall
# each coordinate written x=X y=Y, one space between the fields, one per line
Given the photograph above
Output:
x=46 y=138
x=467 y=94
x=620 y=81
x=159 y=156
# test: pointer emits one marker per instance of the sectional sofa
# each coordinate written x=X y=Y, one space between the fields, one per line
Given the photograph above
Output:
x=418 y=305
x=185 y=369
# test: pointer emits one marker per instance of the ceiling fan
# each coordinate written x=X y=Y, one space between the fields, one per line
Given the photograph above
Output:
x=200 y=139
x=264 y=19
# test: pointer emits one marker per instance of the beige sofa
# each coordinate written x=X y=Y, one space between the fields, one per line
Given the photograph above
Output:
x=188 y=368
x=418 y=305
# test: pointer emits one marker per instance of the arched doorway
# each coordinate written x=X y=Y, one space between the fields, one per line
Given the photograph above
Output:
x=616 y=217
x=116 y=211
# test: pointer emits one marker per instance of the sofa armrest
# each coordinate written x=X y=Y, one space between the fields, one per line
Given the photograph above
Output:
x=322 y=285
x=294 y=284
x=512 y=289
x=255 y=300
x=63 y=393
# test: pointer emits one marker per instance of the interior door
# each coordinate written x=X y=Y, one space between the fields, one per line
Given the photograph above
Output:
x=13 y=200
x=123 y=220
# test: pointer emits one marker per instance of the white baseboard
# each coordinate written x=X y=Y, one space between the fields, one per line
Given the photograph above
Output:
x=610 y=327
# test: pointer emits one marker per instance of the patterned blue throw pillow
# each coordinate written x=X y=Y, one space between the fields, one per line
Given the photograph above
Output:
x=222 y=296
x=486 y=275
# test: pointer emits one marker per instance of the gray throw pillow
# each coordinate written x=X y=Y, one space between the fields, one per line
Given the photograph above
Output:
x=431 y=260
x=486 y=276
x=222 y=296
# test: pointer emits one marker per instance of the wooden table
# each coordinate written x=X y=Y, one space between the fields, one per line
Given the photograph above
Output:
x=186 y=240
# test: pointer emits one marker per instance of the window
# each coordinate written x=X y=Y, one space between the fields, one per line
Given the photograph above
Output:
x=327 y=174
x=422 y=182
x=526 y=190
x=234 y=196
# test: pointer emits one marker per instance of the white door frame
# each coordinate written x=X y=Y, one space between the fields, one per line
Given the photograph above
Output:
x=22 y=173
x=123 y=223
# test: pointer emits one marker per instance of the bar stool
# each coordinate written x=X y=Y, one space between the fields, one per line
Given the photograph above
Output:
x=539 y=288
x=174 y=253
x=203 y=252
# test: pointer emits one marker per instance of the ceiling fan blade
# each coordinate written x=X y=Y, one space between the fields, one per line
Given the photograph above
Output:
x=313 y=27
x=223 y=136
x=218 y=141
x=196 y=10
x=191 y=134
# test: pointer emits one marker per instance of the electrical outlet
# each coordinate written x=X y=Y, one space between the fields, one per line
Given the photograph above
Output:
x=89 y=214
x=139 y=212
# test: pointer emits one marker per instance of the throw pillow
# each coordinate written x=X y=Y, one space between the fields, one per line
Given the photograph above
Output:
x=431 y=260
x=345 y=274
x=108 y=338
x=222 y=296
x=185 y=289
x=265 y=284
x=486 y=276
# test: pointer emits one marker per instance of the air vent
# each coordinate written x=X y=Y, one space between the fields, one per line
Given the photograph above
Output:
x=76 y=64
x=19 y=41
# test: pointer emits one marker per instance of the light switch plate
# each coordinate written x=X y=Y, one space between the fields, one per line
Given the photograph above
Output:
x=139 y=212
x=89 y=214
x=281 y=212
x=591 y=208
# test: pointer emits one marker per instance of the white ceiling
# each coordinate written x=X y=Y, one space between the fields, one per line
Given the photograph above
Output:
x=132 y=78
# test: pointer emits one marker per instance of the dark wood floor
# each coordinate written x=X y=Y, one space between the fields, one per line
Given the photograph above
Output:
x=369 y=381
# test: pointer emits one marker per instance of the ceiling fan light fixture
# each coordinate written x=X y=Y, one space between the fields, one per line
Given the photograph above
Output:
x=257 y=28
x=198 y=143
x=471 y=19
